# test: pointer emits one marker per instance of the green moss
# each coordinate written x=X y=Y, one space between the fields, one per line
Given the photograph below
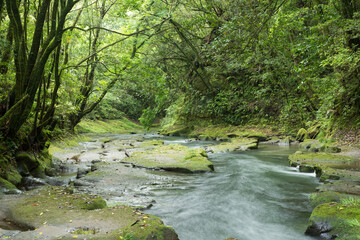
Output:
x=7 y=187
x=306 y=144
x=51 y=204
x=13 y=176
x=94 y=203
x=306 y=168
x=323 y=160
x=172 y=157
x=176 y=130
x=59 y=206
x=343 y=217
x=67 y=142
x=123 y=125
x=85 y=231
x=148 y=227
x=236 y=144
x=318 y=198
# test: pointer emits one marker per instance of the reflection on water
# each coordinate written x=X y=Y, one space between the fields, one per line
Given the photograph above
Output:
x=252 y=195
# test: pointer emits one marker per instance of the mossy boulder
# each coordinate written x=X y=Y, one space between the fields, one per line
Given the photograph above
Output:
x=13 y=176
x=37 y=166
x=336 y=220
x=173 y=157
x=7 y=187
x=306 y=168
x=57 y=212
x=301 y=135
x=236 y=144
x=307 y=143
x=331 y=149
x=323 y=160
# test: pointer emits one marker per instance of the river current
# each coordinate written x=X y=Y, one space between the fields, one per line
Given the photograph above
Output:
x=252 y=195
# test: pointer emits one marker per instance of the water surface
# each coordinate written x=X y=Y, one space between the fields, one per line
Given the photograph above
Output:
x=252 y=195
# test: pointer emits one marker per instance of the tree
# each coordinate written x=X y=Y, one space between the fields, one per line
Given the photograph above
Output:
x=30 y=65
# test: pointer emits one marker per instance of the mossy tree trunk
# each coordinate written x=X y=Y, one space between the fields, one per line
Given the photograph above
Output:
x=30 y=64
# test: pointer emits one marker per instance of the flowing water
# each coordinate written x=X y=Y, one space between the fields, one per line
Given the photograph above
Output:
x=252 y=195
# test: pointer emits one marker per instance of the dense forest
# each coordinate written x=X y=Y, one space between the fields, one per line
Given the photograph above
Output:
x=290 y=63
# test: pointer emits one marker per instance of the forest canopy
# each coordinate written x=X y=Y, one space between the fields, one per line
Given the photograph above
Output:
x=292 y=62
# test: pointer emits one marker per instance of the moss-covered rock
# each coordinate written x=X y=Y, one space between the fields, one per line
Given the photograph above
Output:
x=336 y=220
x=13 y=176
x=57 y=212
x=148 y=228
x=307 y=143
x=7 y=187
x=306 y=168
x=236 y=144
x=323 y=160
x=172 y=157
x=301 y=135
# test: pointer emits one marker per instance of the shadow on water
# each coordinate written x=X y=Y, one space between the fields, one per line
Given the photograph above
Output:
x=252 y=195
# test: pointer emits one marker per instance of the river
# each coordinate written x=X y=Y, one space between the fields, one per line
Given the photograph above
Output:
x=251 y=195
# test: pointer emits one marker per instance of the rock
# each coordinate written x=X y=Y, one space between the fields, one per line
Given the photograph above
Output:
x=7 y=187
x=56 y=182
x=332 y=149
x=285 y=142
x=93 y=167
x=173 y=157
x=81 y=172
x=331 y=220
x=50 y=172
x=318 y=228
x=26 y=160
x=81 y=183
x=301 y=135
x=31 y=183
x=38 y=172
x=71 y=213
x=236 y=144
x=308 y=143
x=306 y=168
